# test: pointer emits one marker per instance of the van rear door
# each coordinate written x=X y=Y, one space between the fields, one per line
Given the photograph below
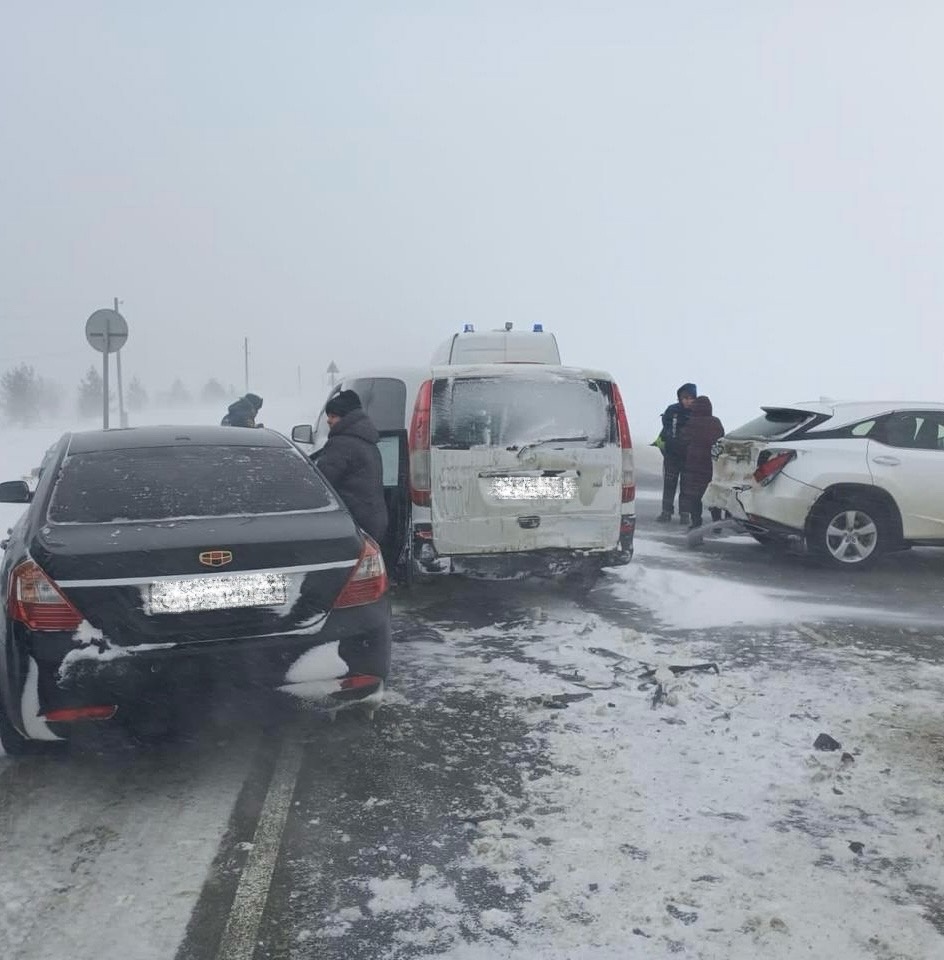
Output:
x=524 y=462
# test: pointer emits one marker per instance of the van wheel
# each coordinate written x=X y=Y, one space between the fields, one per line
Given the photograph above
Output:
x=849 y=534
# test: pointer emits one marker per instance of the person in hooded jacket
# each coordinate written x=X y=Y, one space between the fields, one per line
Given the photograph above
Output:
x=243 y=412
x=697 y=438
x=673 y=422
x=351 y=462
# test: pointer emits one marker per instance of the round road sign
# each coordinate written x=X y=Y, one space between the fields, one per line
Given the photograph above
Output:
x=106 y=326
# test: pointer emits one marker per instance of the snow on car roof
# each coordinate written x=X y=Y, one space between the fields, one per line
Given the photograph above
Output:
x=529 y=371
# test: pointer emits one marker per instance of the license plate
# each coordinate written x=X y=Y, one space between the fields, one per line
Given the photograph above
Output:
x=216 y=593
x=534 y=488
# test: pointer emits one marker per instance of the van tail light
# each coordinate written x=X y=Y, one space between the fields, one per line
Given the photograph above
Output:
x=420 y=480
x=769 y=464
x=35 y=600
x=368 y=582
x=626 y=445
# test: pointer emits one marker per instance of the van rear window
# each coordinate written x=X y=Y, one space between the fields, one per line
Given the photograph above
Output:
x=509 y=412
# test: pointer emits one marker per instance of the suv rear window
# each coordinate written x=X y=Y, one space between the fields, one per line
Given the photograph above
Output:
x=162 y=483
x=773 y=425
x=508 y=412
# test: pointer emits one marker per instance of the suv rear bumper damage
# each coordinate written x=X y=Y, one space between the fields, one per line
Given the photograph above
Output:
x=780 y=506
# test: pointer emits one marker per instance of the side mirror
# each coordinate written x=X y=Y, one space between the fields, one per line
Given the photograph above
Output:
x=15 y=491
x=303 y=434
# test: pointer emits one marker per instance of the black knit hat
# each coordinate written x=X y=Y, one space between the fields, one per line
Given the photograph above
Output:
x=254 y=399
x=343 y=403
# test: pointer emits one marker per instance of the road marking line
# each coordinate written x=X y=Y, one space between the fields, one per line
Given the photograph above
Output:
x=242 y=928
x=812 y=634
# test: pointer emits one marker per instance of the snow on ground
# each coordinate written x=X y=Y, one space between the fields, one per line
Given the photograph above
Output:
x=687 y=597
x=706 y=826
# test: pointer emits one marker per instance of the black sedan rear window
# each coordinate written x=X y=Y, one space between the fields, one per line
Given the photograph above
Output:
x=162 y=483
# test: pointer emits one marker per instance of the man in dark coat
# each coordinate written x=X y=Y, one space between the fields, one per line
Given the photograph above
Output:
x=243 y=412
x=697 y=438
x=673 y=422
x=351 y=462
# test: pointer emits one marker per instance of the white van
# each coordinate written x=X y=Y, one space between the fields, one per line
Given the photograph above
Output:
x=507 y=469
x=520 y=469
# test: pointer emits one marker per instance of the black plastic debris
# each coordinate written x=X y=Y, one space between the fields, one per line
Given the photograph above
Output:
x=642 y=933
x=856 y=847
x=847 y=758
x=825 y=742
x=684 y=668
x=687 y=917
x=558 y=701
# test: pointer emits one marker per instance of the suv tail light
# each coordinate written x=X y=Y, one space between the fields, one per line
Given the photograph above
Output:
x=368 y=582
x=769 y=464
x=626 y=445
x=35 y=600
x=420 y=480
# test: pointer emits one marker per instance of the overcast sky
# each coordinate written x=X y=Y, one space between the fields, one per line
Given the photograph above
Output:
x=747 y=194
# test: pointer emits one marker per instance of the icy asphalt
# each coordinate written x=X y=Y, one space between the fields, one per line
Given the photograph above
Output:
x=529 y=790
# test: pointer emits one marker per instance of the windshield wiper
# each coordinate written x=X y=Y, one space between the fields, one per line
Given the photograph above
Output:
x=540 y=443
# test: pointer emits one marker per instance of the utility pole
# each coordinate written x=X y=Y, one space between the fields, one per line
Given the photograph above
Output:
x=122 y=414
x=246 y=359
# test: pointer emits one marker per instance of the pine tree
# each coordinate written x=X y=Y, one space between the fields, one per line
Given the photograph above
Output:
x=21 y=395
x=91 y=391
x=179 y=395
x=213 y=392
x=137 y=396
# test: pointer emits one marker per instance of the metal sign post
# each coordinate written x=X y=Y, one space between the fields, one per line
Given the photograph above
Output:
x=107 y=332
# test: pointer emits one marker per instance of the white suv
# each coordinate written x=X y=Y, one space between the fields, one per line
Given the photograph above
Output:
x=854 y=480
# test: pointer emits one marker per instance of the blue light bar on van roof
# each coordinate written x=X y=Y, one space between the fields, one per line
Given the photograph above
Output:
x=468 y=328
x=538 y=328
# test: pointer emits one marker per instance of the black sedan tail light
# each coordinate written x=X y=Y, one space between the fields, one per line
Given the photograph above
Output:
x=368 y=582
x=36 y=601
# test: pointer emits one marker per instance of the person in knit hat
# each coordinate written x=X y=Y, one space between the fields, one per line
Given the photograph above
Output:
x=673 y=422
x=351 y=462
x=243 y=412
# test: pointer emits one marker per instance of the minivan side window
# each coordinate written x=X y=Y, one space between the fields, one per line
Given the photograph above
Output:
x=383 y=400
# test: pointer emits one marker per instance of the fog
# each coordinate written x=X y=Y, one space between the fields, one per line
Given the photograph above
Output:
x=743 y=194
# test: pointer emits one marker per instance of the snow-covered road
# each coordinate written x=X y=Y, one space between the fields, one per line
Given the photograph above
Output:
x=540 y=783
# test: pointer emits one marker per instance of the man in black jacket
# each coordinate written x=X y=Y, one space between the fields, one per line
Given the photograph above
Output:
x=243 y=412
x=673 y=453
x=351 y=462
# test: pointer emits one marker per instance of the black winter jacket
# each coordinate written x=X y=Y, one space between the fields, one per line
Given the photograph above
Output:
x=351 y=463
x=241 y=413
x=674 y=419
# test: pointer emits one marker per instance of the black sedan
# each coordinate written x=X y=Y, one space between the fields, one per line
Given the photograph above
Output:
x=149 y=555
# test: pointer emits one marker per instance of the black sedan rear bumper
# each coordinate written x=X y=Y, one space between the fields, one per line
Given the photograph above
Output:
x=133 y=677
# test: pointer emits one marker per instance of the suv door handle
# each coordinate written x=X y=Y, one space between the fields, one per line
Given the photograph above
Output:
x=887 y=461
